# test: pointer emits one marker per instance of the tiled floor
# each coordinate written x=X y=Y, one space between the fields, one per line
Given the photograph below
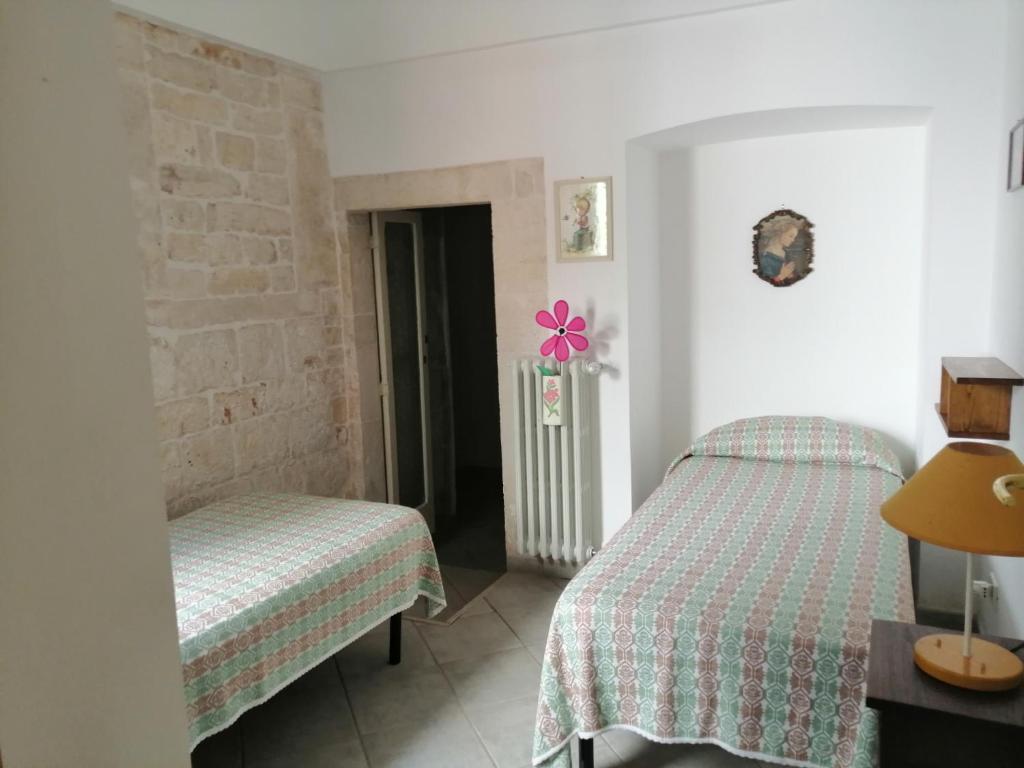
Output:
x=464 y=696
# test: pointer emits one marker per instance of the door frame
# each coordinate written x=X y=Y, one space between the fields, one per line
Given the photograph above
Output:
x=378 y=249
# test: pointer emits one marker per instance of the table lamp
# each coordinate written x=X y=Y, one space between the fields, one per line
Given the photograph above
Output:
x=962 y=500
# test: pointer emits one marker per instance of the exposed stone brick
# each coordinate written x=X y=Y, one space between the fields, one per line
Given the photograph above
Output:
x=262 y=442
x=235 y=280
x=260 y=352
x=182 y=214
x=204 y=140
x=240 y=404
x=128 y=50
x=250 y=120
x=284 y=249
x=282 y=278
x=207 y=458
x=192 y=315
x=235 y=151
x=191 y=106
x=300 y=90
x=265 y=188
x=177 y=418
x=304 y=342
x=182 y=246
x=315 y=240
x=270 y=155
x=224 y=250
x=174 y=140
x=239 y=86
x=185 y=283
x=259 y=250
x=191 y=181
x=248 y=217
x=233 y=58
x=180 y=70
x=287 y=394
x=161 y=363
x=311 y=430
x=205 y=360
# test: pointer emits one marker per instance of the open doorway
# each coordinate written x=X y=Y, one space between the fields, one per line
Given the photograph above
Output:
x=434 y=278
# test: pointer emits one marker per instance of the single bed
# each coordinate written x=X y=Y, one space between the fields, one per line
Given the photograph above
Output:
x=269 y=585
x=735 y=606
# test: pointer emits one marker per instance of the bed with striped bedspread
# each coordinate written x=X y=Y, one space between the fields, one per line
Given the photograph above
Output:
x=735 y=606
x=269 y=585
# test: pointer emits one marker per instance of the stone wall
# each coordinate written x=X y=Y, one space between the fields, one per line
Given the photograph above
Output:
x=251 y=339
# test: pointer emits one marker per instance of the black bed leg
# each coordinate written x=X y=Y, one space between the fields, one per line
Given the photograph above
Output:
x=586 y=753
x=395 y=643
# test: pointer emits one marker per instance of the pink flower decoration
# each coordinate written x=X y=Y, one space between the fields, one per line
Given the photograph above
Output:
x=564 y=332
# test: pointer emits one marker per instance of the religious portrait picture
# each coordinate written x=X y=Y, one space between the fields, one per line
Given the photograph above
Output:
x=783 y=248
x=583 y=216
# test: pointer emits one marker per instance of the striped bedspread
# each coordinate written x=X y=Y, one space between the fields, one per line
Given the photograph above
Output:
x=269 y=585
x=735 y=606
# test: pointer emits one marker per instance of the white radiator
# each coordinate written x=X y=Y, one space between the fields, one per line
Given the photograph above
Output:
x=553 y=463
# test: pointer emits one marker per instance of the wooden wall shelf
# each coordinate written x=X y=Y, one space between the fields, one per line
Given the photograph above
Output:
x=975 y=399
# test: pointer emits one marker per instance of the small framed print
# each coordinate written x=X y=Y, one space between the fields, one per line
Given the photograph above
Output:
x=1015 y=172
x=583 y=216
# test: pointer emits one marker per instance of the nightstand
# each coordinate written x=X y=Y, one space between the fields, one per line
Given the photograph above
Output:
x=925 y=723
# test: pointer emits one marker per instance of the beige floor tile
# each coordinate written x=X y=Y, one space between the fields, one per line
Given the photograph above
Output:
x=309 y=755
x=315 y=713
x=394 y=696
x=468 y=636
x=506 y=729
x=476 y=607
x=370 y=652
x=470 y=582
x=494 y=678
x=537 y=651
x=445 y=739
x=531 y=626
x=522 y=593
x=637 y=752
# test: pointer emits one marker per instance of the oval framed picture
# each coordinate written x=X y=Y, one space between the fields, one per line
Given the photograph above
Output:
x=783 y=248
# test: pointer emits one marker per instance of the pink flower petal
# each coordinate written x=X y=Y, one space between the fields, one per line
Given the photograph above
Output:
x=578 y=342
x=576 y=324
x=561 y=349
x=549 y=345
x=545 y=319
x=561 y=311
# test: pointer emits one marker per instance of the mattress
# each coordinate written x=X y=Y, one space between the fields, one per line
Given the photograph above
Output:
x=735 y=606
x=269 y=585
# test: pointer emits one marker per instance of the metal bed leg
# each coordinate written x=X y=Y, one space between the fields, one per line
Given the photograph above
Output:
x=395 y=643
x=586 y=753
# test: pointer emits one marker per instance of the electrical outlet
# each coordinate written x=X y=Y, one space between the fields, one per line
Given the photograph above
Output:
x=983 y=589
x=995 y=587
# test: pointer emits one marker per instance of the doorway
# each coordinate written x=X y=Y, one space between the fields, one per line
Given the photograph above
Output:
x=434 y=281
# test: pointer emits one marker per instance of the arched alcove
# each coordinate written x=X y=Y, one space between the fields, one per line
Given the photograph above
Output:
x=709 y=341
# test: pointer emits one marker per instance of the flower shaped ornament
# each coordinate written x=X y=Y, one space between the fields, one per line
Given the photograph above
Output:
x=565 y=333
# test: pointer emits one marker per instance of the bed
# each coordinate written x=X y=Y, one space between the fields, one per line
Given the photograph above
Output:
x=735 y=606
x=269 y=585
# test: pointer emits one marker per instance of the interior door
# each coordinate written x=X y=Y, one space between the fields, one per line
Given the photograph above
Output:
x=401 y=323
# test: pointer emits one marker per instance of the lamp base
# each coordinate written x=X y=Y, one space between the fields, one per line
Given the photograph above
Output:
x=990 y=667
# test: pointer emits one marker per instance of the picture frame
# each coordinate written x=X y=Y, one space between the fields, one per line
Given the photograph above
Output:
x=1015 y=168
x=783 y=248
x=583 y=219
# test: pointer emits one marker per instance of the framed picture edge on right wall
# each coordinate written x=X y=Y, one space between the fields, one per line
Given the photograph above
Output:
x=1015 y=165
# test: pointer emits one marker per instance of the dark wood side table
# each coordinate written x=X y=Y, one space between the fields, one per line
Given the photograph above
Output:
x=925 y=723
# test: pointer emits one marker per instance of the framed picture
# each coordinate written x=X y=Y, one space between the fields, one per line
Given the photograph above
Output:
x=583 y=216
x=783 y=248
x=1015 y=172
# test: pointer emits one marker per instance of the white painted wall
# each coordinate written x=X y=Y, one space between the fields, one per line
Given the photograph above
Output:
x=1007 y=334
x=577 y=101
x=844 y=341
x=89 y=668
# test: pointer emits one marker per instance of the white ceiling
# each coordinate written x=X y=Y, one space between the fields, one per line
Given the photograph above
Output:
x=340 y=34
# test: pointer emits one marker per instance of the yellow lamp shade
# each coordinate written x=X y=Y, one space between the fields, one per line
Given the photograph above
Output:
x=950 y=503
